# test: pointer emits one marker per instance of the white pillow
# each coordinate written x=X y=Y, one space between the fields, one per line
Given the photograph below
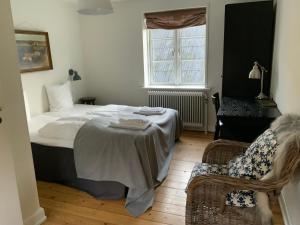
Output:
x=60 y=97
x=27 y=107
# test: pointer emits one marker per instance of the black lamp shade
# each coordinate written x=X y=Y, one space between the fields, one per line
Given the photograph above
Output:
x=74 y=75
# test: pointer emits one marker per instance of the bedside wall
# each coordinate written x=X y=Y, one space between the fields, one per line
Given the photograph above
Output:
x=61 y=20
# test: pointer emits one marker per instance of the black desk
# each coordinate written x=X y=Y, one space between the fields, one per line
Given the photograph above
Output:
x=244 y=119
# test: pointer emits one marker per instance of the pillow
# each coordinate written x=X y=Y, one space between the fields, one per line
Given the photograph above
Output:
x=256 y=162
x=27 y=107
x=59 y=97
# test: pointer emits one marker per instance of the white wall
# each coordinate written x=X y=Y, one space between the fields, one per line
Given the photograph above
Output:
x=60 y=19
x=286 y=81
x=14 y=143
x=113 y=49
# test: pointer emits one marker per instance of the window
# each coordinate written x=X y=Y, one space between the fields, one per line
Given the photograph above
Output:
x=176 y=57
x=175 y=48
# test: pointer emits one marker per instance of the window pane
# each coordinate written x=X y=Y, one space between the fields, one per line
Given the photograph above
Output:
x=163 y=50
x=199 y=31
x=163 y=56
x=193 y=48
x=163 y=72
x=161 y=34
x=192 y=72
x=192 y=55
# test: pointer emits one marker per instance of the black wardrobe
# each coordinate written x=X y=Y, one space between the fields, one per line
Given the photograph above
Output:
x=249 y=31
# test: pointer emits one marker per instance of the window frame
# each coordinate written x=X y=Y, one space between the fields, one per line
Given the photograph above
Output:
x=148 y=60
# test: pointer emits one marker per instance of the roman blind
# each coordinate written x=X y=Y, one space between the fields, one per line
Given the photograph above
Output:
x=176 y=19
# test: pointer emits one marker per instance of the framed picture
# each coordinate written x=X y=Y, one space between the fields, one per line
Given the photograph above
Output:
x=34 y=52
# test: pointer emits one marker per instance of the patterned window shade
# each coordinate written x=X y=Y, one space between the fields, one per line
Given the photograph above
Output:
x=176 y=19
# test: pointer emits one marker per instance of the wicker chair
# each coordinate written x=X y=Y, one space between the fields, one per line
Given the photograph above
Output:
x=206 y=195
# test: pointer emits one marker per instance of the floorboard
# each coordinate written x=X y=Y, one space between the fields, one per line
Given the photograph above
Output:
x=68 y=206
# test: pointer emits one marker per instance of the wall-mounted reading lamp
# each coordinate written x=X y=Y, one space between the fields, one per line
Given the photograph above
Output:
x=74 y=76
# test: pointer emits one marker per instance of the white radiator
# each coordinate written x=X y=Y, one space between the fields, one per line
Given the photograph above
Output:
x=191 y=105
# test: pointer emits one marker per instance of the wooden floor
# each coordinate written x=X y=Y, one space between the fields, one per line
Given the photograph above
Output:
x=64 y=205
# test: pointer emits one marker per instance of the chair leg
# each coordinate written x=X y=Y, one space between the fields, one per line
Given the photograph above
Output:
x=217 y=131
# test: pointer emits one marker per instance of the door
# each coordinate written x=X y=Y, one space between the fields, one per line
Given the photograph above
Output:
x=10 y=211
x=10 y=204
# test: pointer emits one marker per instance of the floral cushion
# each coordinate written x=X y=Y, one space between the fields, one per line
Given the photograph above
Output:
x=209 y=169
x=258 y=158
x=255 y=163
x=201 y=169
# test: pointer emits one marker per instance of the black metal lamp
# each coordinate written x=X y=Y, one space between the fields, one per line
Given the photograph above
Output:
x=257 y=74
x=74 y=76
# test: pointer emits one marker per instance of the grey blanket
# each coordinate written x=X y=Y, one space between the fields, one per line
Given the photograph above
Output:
x=137 y=159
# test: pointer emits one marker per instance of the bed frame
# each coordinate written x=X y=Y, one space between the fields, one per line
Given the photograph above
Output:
x=56 y=164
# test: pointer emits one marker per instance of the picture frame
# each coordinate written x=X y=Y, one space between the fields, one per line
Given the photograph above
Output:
x=34 y=52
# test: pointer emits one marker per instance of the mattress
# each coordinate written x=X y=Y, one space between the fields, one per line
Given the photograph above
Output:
x=56 y=164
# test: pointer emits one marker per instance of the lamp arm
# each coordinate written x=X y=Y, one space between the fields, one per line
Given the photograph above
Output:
x=262 y=80
x=262 y=68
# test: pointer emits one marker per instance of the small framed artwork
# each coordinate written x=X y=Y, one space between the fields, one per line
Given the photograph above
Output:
x=34 y=52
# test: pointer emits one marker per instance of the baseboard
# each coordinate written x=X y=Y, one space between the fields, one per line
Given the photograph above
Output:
x=37 y=218
x=284 y=211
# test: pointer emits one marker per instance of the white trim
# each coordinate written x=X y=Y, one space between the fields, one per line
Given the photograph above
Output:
x=207 y=43
x=37 y=218
x=284 y=210
x=183 y=87
x=146 y=57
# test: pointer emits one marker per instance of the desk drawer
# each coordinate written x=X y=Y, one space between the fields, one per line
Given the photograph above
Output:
x=243 y=129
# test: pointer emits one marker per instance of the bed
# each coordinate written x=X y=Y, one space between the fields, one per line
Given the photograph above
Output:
x=77 y=147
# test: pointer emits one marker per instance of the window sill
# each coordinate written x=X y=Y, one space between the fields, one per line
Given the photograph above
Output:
x=183 y=87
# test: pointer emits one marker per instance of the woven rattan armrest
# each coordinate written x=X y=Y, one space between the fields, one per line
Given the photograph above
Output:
x=221 y=151
x=209 y=193
x=232 y=183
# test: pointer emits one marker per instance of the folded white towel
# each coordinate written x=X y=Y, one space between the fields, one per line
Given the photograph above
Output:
x=104 y=113
x=132 y=124
x=149 y=111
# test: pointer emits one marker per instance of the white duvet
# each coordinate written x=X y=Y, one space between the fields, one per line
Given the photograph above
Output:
x=64 y=128
x=60 y=128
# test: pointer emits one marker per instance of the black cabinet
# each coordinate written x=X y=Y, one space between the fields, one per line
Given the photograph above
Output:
x=249 y=32
x=245 y=119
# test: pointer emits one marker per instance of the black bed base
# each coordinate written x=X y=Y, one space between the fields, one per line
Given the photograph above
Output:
x=56 y=164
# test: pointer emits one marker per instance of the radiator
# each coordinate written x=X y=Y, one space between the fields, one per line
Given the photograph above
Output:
x=191 y=105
